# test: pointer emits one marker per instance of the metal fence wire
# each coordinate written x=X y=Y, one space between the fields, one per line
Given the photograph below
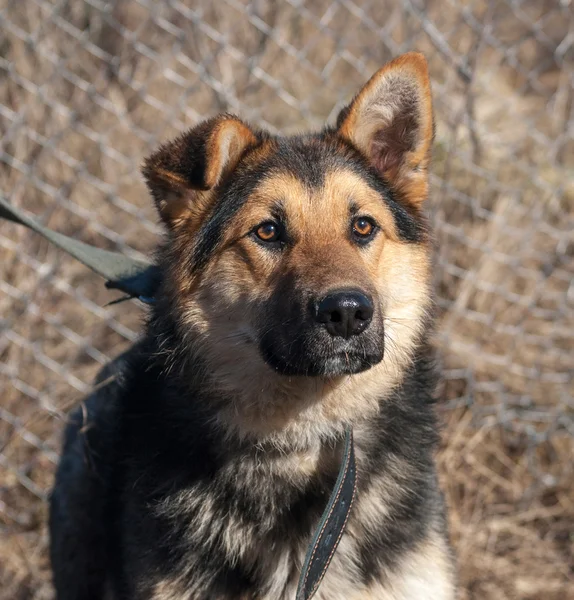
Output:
x=90 y=87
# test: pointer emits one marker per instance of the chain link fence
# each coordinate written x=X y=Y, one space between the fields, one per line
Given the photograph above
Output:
x=89 y=87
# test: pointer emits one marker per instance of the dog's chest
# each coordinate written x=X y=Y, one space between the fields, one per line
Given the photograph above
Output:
x=277 y=579
x=247 y=528
x=424 y=573
x=250 y=525
x=245 y=535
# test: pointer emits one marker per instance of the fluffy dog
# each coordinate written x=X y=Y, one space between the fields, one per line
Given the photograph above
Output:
x=295 y=302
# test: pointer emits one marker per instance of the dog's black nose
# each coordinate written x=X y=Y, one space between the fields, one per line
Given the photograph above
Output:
x=345 y=313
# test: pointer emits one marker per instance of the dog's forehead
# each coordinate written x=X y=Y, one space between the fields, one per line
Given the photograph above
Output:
x=311 y=172
x=308 y=158
x=340 y=192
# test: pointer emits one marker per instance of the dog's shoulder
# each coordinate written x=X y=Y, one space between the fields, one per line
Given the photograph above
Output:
x=79 y=505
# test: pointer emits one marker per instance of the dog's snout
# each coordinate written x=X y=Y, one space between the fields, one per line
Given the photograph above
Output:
x=345 y=313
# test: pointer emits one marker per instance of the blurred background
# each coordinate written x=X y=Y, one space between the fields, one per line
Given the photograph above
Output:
x=90 y=87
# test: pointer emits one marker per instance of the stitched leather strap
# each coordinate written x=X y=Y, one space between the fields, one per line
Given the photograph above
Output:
x=332 y=524
x=141 y=280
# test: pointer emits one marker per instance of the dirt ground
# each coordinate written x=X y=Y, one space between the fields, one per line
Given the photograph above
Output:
x=89 y=87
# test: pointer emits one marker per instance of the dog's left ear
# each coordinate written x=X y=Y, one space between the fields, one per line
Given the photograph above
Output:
x=390 y=121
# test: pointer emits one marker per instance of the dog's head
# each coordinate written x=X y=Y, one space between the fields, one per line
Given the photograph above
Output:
x=307 y=255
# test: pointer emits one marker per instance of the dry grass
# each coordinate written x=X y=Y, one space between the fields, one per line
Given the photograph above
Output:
x=89 y=88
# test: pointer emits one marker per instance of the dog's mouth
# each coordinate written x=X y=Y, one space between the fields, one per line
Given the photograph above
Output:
x=299 y=361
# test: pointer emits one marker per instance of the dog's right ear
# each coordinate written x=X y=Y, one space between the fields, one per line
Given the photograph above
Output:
x=182 y=173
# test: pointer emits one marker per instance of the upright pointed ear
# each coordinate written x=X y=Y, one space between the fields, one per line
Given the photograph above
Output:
x=390 y=121
x=182 y=174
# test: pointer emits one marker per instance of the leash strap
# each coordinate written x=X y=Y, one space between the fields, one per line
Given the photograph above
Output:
x=332 y=524
x=141 y=280
x=136 y=278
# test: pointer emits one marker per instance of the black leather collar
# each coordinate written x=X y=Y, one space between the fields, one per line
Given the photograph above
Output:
x=332 y=524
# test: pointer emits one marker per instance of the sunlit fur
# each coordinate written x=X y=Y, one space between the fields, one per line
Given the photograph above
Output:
x=202 y=469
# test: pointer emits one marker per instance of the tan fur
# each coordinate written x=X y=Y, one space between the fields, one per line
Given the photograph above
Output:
x=424 y=574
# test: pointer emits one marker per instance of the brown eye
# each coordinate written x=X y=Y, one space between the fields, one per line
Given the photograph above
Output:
x=268 y=232
x=363 y=228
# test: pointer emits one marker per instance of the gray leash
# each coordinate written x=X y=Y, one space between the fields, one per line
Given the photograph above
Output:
x=136 y=278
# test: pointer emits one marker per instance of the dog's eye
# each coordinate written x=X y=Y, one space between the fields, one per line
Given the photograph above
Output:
x=268 y=232
x=363 y=229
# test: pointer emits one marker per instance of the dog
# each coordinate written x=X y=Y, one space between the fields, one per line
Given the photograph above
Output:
x=295 y=301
